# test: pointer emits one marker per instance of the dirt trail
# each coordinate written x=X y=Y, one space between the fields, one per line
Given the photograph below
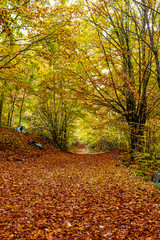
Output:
x=61 y=195
x=79 y=150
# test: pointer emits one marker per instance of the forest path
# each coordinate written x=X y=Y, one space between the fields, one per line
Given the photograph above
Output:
x=60 y=195
x=79 y=150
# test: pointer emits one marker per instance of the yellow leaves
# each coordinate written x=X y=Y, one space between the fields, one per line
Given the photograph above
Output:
x=68 y=224
x=49 y=236
x=11 y=236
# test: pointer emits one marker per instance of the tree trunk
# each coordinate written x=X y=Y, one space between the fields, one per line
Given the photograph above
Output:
x=11 y=116
x=10 y=113
x=136 y=138
x=148 y=139
x=20 y=114
x=1 y=107
x=154 y=48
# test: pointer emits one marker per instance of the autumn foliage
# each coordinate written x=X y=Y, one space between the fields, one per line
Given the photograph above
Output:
x=84 y=72
x=60 y=195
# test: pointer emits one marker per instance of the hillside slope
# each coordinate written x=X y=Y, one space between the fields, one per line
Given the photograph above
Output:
x=15 y=145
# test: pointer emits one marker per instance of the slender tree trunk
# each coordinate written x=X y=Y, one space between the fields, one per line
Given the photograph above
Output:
x=11 y=116
x=153 y=47
x=8 y=119
x=21 y=108
x=64 y=131
x=1 y=107
x=148 y=139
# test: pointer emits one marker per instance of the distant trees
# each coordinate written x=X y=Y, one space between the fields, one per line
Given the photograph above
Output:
x=56 y=105
x=56 y=108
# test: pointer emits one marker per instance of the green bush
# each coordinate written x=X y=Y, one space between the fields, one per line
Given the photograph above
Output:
x=126 y=164
x=157 y=186
x=146 y=179
x=140 y=173
x=133 y=166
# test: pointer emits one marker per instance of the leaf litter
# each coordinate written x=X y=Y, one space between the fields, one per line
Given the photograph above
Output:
x=52 y=195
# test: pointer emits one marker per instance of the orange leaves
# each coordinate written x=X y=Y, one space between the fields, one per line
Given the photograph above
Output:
x=55 y=196
x=49 y=236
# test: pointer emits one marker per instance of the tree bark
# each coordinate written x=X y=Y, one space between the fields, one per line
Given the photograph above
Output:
x=153 y=47
x=1 y=107
x=20 y=114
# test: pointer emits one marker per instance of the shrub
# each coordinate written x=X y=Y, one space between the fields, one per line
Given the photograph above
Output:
x=146 y=179
x=133 y=166
x=157 y=186
x=140 y=173
x=126 y=164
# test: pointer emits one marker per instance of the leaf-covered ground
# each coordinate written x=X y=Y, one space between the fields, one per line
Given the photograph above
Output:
x=57 y=195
